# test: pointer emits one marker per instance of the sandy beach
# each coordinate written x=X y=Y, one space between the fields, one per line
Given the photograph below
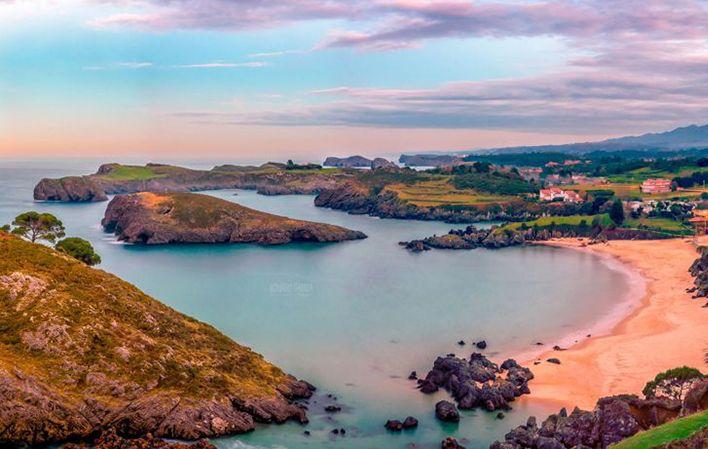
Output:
x=665 y=329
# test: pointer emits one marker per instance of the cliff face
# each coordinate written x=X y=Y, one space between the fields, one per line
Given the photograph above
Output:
x=81 y=351
x=69 y=189
x=193 y=218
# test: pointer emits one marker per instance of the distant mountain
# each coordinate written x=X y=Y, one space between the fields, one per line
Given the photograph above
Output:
x=688 y=137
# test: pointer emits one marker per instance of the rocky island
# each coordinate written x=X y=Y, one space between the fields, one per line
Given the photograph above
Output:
x=160 y=218
x=82 y=351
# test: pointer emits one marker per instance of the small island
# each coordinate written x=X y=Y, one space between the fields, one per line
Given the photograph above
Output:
x=84 y=351
x=162 y=218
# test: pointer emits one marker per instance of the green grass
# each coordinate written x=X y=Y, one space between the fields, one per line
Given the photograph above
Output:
x=573 y=220
x=133 y=173
x=642 y=174
x=658 y=223
x=674 y=430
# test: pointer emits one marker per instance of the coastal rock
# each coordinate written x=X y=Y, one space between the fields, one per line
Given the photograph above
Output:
x=152 y=219
x=410 y=422
x=270 y=179
x=478 y=382
x=109 y=439
x=394 y=425
x=446 y=411
x=69 y=189
x=451 y=443
x=613 y=419
x=380 y=163
x=347 y=162
x=103 y=354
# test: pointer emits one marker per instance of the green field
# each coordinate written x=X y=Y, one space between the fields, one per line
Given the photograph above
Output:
x=133 y=173
x=659 y=224
x=573 y=220
x=440 y=192
x=674 y=430
x=642 y=174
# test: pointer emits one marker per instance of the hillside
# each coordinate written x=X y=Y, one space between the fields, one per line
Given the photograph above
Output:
x=153 y=218
x=688 y=137
x=81 y=350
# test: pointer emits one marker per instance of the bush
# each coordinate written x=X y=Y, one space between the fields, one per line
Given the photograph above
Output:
x=617 y=212
x=80 y=249
x=673 y=383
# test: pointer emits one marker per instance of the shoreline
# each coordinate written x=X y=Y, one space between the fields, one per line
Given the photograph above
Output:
x=654 y=327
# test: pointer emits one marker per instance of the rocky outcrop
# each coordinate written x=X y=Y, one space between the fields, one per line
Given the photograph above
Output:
x=356 y=198
x=699 y=270
x=478 y=382
x=109 y=439
x=270 y=179
x=347 y=162
x=504 y=236
x=83 y=351
x=69 y=189
x=380 y=163
x=613 y=419
x=153 y=219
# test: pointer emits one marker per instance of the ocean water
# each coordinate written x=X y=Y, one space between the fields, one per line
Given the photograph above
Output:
x=353 y=318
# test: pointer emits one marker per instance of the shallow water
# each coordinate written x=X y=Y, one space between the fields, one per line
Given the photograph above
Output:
x=353 y=318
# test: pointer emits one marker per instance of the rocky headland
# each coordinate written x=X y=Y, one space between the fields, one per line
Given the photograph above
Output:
x=162 y=218
x=268 y=179
x=478 y=382
x=82 y=351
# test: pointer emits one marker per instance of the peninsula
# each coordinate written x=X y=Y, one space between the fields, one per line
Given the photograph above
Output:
x=160 y=218
x=82 y=350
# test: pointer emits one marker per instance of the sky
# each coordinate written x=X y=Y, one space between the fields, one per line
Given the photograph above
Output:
x=302 y=79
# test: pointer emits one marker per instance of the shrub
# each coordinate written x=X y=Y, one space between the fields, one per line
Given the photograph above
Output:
x=80 y=249
x=673 y=383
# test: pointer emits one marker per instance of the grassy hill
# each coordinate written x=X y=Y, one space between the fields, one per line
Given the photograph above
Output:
x=671 y=431
x=81 y=348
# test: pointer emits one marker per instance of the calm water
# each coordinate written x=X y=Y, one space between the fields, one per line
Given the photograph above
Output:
x=353 y=318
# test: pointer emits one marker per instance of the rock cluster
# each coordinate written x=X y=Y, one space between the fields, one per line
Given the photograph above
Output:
x=613 y=419
x=396 y=425
x=498 y=237
x=478 y=382
x=109 y=439
x=699 y=270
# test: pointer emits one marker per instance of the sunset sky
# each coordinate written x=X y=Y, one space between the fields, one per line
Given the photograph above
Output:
x=307 y=78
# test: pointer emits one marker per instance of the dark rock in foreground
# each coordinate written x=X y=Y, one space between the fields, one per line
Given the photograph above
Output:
x=613 y=419
x=478 y=382
x=152 y=219
x=451 y=443
x=699 y=270
x=446 y=411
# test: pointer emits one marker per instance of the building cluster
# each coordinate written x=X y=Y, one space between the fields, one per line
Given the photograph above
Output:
x=656 y=185
x=555 y=194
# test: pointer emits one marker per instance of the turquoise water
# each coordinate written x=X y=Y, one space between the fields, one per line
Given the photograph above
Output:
x=353 y=318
